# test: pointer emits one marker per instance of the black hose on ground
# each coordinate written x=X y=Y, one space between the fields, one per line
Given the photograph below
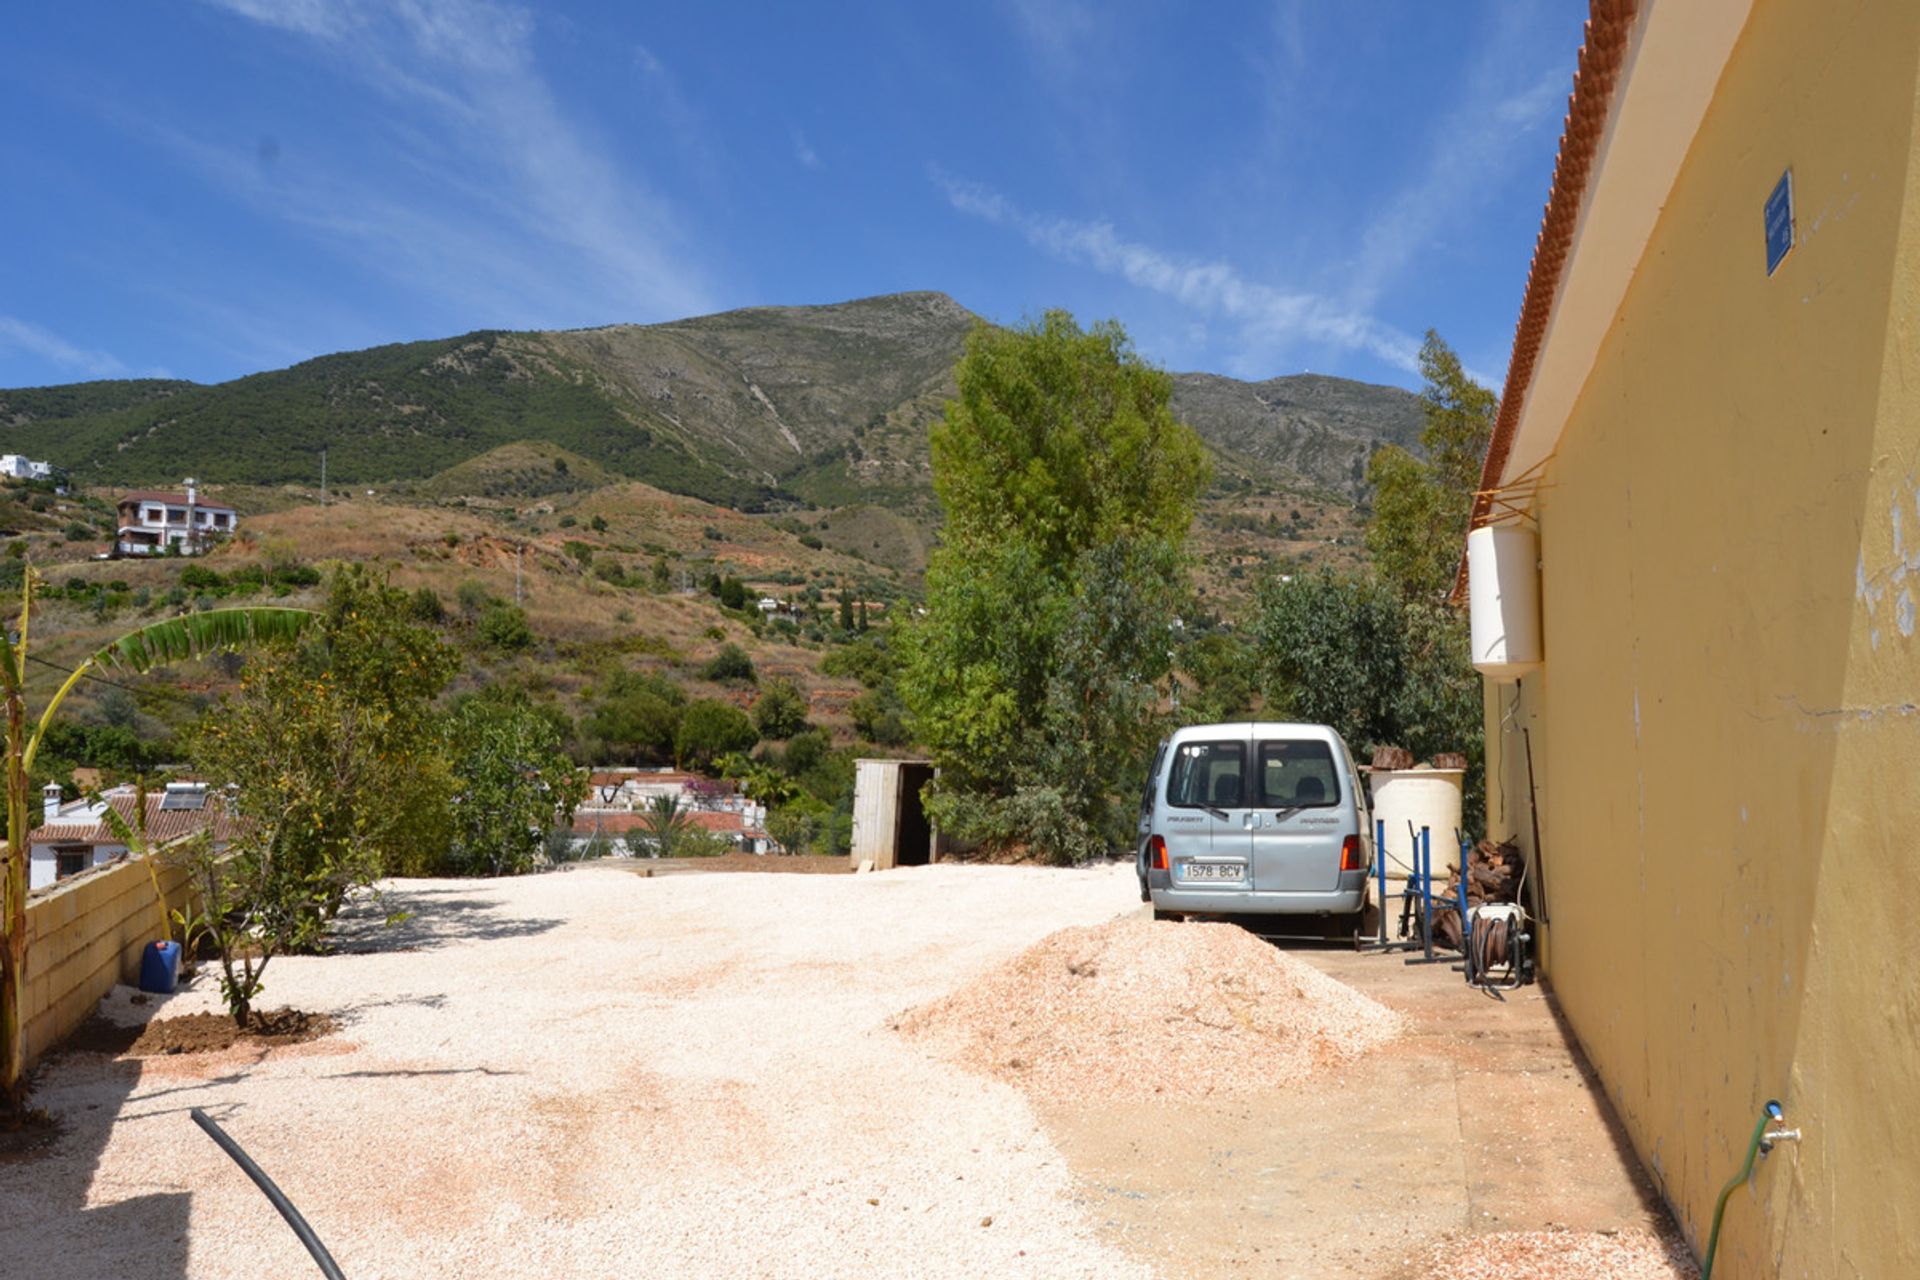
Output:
x=328 y=1267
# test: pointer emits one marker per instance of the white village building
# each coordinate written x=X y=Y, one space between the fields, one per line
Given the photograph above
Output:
x=151 y=521
x=75 y=835
x=17 y=466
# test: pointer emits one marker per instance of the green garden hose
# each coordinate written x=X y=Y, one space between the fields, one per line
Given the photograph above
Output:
x=1769 y=1114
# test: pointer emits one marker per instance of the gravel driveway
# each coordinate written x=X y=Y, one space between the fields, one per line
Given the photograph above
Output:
x=592 y=1074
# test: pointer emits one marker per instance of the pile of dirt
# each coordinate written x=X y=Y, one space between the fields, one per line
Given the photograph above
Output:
x=1139 y=1008
x=198 y=1033
x=1557 y=1255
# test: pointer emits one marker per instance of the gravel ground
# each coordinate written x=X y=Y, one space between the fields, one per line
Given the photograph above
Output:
x=591 y=1074
x=1135 y=1008
x=1558 y=1255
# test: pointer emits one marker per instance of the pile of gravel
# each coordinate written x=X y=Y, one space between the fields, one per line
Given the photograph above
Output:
x=1557 y=1255
x=1136 y=1008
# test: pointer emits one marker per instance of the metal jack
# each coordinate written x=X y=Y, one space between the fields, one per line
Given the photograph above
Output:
x=1767 y=1140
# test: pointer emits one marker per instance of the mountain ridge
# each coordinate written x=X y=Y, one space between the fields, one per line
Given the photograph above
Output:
x=758 y=408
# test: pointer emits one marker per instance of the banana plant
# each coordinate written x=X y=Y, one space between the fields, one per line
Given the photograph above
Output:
x=135 y=653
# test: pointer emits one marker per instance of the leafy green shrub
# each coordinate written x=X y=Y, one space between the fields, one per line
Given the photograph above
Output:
x=710 y=729
x=730 y=664
x=426 y=607
x=780 y=711
x=515 y=784
x=638 y=719
x=880 y=718
x=295 y=575
x=504 y=627
x=78 y=532
x=472 y=596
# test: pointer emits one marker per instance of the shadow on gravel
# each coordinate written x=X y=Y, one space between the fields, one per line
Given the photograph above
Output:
x=51 y=1229
x=435 y=917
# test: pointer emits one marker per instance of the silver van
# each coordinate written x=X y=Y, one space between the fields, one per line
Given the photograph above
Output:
x=1258 y=818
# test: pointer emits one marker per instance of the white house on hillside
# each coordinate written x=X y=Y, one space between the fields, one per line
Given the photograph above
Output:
x=152 y=521
x=16 y=466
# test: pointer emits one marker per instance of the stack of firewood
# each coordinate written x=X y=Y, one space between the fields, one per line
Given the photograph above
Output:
x=1493 y=874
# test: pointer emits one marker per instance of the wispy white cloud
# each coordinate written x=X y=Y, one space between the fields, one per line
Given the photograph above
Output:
x=44 y=344
x=1272 y=319
x=1061 y=34
x=1470 y=148
x=803 y=152
x=525 y=196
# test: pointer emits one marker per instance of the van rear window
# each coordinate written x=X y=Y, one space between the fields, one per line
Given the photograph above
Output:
x=1297 y=774
x=1208 y=775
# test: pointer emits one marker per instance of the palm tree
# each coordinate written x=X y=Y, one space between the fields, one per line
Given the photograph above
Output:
x=668 y=822
x=136 y=652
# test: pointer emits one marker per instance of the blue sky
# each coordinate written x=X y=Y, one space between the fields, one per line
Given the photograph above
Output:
x=208 y=188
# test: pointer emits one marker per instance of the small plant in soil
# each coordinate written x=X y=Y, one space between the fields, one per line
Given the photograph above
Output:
x=256 y=908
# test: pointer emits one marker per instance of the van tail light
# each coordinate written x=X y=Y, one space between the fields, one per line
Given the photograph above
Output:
x=1350 y=854
x=1157 y=852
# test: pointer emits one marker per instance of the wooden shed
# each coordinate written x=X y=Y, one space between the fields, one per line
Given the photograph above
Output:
x=890 y=826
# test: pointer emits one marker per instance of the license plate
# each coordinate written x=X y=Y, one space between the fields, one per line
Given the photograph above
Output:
x=1213 y=870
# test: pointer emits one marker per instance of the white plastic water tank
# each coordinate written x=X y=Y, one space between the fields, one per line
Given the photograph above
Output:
x=1503 y=596
x=1423 y=797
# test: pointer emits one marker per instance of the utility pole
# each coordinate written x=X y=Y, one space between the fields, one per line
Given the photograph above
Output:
x=323 y=475
x=519 y=557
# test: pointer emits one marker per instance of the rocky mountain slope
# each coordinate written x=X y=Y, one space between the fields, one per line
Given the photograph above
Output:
x=758 y=409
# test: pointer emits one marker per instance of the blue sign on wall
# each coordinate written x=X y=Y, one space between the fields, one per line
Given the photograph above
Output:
x=1780 y=221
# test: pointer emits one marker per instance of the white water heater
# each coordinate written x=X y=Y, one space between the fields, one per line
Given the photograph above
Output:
x=1503 y=597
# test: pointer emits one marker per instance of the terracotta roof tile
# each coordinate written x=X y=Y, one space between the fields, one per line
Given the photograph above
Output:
x=163 y=825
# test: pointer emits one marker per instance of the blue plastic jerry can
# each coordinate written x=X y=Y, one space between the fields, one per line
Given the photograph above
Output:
x=160 y=967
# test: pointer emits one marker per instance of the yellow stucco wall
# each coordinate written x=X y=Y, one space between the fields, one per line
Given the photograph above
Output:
x=1726 y=730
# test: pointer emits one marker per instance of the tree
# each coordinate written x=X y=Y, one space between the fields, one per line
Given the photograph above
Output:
x=780 y=711
x=1332 y=650
x=504 y=627
x=1421 y=508
x=136 y=652
x=846 y=612
x=799 y=825
x=669 y=826
x=729 y=665
x=710 y=729
x=638 y=720
x=1068 y=487
x=1063 y=438
x=341 y=727
x=515 y=784
x=1350 y=652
